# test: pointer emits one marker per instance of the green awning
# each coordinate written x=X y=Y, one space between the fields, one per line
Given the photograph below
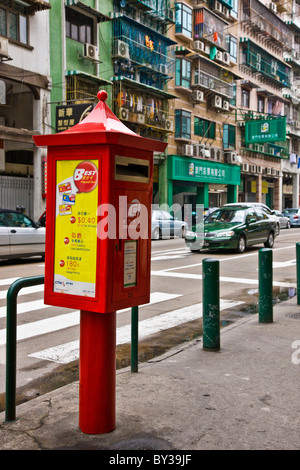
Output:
x=87 y=9
x=79 y=73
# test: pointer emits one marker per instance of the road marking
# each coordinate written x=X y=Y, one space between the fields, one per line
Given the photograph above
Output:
x=68 y=352
x=59 y=322
x=222 y=278
x=24 y=291
x=284 y=264
x=235 y=258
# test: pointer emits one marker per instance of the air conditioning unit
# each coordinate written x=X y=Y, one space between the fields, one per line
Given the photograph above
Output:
x=273 y=67
x=219 y=56
x=205 y=153
x=90 y=51
x=187 y=150
x=258 y=62
x=245 y=167
x=274 y=172
x=140 y=119
x=226 y=105
x=259 y=169
x=124 y=114
x=196 y=150
x=163 y=69
x=217 y=6
x=3 y=47
x=199 y=46
x=225 y=11
x=231 y=157
x=170 y=14
x=272 y=151
x=268 y=171
x=253 y=168
x=122 y=50
x=261 y=148
x=256 y=147
x=273 y=7
x=226 y=58
x=216 y=101
x=198 y=96
x=169 y=125
x=297 y=124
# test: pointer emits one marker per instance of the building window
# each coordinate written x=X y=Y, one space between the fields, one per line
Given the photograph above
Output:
x=183 y=73
x=260 y=104
x=232 y=47
x=228 y=136
x=245 y=98
x=14 y=21
x=204 y=128
x=79 y=27
x=182 y=124
x=183 y=20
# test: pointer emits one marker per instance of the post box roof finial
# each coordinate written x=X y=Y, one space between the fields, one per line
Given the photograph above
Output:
x=102 y=95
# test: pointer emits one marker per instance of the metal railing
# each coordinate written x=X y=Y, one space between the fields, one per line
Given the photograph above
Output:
x=11 y=341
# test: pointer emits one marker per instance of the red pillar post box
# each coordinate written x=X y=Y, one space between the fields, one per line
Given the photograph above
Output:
x=98 y=242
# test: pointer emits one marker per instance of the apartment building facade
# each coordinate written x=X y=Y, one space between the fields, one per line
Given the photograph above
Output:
x=24 y=96
x=217 y=80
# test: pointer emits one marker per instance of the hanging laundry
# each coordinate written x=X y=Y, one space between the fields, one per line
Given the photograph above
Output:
x=293 y=158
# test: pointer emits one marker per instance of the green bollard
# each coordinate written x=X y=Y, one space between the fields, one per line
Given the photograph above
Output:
x=211 y=305
x=134 y=339
x=298 y=271
x=265 y=285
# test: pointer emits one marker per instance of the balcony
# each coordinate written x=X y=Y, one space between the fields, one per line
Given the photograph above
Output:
x=206 y=82
x=210 y=28
x=265 y=65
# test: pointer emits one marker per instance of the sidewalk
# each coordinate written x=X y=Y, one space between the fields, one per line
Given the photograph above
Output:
x=246 y=396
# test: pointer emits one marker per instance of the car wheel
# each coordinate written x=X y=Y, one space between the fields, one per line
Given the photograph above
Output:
x=270 y=242
x=183 y=232
x=288 y=224
x=241 y=247
x=277 y=230
x=156 y=233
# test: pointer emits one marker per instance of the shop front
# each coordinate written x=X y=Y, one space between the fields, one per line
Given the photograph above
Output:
x=194 y=181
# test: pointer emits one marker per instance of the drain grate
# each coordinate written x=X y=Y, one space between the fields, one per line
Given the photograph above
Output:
x=295 y=316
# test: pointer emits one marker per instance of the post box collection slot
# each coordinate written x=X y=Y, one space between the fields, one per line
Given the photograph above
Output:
x=132 y=169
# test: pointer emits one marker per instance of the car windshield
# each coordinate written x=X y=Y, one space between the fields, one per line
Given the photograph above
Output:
x=227 y=215
x=290 y=211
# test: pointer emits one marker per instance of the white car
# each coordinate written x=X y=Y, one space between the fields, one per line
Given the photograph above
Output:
x=164 y=225
x=20 y=237
x=283 y=220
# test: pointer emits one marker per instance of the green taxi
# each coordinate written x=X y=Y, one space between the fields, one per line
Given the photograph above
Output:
x=232 y=227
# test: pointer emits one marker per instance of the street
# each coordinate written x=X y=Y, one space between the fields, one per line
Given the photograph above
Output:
x=48 y=337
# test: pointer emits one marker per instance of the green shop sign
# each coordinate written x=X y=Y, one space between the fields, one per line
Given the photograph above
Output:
x=269 y=130
x=192 y=169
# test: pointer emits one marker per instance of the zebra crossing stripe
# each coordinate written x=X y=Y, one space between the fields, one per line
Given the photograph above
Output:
x=65 y=353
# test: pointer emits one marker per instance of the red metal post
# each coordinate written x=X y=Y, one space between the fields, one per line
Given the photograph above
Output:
x=97 y=372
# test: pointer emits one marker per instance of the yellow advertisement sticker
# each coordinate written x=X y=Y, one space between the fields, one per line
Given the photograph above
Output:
x=75 y=251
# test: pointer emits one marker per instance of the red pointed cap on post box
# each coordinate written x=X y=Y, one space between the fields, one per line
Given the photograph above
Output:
x=101 y=126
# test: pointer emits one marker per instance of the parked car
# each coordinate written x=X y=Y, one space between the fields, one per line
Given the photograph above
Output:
x=284 y=221
x=262 y=207
x=293 y=215
x=232 y=227
x=20 y=236
x=165 y=225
